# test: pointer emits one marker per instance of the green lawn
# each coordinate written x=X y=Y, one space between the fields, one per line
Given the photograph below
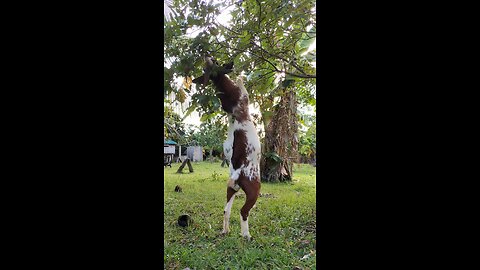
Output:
x=283 y=223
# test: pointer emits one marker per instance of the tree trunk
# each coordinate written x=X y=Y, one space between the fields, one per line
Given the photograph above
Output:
x=265 y=119
x=281 y=140
x=262 y=140
x=211 y=154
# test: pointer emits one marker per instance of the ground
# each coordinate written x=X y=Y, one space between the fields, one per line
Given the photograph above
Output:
x=283 y=223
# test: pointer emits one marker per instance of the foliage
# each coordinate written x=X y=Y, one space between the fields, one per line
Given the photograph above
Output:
x=283 y=226
x=174 y=128
x=266 y=38
x=211 y=134
x=308 y=140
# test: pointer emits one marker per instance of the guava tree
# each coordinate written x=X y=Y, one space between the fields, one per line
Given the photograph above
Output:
x=269 y=42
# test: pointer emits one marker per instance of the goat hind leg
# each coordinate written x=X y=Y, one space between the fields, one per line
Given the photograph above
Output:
x=228 y=209
x=244 y=212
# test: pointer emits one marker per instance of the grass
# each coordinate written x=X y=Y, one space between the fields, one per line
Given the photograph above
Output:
x=283 y=223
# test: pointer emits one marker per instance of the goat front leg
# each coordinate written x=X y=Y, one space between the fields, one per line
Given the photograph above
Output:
x=228 y=209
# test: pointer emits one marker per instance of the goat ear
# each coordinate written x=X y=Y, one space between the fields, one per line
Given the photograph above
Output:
x=228 y=65
x=201 y=80
x=198 y=80
x=227 y=68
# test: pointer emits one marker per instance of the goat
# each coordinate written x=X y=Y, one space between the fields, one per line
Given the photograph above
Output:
x=242 y=146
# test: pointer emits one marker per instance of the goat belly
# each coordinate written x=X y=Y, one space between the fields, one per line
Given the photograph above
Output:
x=228 y=147
x=242 y=149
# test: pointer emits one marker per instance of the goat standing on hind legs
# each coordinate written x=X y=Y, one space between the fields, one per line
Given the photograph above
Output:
x=242 y=147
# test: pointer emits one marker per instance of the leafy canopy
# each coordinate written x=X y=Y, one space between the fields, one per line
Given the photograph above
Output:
x=268 y=40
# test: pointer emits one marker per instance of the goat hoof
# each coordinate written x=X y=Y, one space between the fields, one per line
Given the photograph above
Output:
x=248 y=237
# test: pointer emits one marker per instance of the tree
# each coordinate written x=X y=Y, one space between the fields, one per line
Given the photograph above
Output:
x=211 y=135
x=281 y=140
x=307 y=146
x=174 y=128
x=269 y=42
x=172 y=125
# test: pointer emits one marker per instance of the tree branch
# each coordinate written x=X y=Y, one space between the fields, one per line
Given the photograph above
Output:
x=259 y=14
x=263 y=75
x=303 y=75
x=230 y=30
x=280 y=57
x=306 y=76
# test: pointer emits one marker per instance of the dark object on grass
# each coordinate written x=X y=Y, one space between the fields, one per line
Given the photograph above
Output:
x=178 y=189
x=186 y=162
x=184 y=220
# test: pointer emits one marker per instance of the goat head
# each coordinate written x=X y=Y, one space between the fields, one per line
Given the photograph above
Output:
x=212 y=70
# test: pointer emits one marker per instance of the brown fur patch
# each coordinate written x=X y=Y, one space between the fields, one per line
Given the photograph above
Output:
x=241 y=113
x=230 y=93
x=239 y=149
x=230 y=193
x=252 y=190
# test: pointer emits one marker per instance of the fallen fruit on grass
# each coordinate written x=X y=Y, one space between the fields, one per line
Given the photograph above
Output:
x=184 y=220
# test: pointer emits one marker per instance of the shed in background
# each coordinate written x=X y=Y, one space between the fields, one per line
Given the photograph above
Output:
x=195 y=153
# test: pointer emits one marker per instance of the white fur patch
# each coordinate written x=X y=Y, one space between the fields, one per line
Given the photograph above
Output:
x=236 y=173
x=253 y=150
x=228 y=206
x=226 y=216
x=240 y=85
x=228 y=144
x=244 y=226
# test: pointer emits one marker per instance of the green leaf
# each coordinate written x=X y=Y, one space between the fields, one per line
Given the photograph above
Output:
x=189 y=111
x=274 y=156
x=204 y=117
x=287 y=82
x=202 y=99
x=302 y=50
x=289 y=22
x=267 y=114
x=305 y=43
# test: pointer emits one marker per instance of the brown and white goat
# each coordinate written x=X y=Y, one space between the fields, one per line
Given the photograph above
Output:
x=242 y=147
